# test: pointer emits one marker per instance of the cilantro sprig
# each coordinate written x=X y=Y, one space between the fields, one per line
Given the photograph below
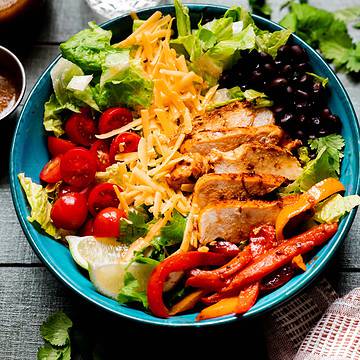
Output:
x=55 y=332
x=327 y=32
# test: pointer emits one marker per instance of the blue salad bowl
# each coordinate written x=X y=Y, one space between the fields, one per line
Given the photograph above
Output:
x=29 y=154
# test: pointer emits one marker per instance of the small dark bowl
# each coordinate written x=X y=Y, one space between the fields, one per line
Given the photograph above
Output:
x=12 y=66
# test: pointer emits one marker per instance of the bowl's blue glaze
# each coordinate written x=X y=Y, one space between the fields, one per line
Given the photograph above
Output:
x=29 y=154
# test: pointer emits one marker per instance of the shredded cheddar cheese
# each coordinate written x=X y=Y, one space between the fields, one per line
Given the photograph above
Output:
x=177 y=100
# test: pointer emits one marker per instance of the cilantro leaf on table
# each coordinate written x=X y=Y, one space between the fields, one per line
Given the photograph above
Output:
x=260 y=7
x=55 y=329
x=131 y=292
x=327 y=32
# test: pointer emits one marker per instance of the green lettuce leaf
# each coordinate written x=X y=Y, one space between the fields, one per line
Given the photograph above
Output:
x=225 y=96
x=88 y=48
x=335 y=207
x=53 y=120
x=40 y=206
x=326 y=164
x=62 y=73
x=182 y=19
x=123 y=82
x=215 y=46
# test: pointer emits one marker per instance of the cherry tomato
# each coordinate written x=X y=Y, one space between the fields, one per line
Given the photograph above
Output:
x=59 y=146
x=114 y=118
x=69 y=212
x=124 y=143
x=51 y=171
x=101 y=197
x=78 y=167
x=81 y=128
x=100 y=149
x=107 y=222
x=87 y=228
x=65 y=189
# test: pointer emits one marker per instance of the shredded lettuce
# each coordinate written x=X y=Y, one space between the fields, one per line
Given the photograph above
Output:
x=326 y=164
x=39 y=204
x=335 y=207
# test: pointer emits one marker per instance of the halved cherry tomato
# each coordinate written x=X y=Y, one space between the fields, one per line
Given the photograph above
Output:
x=124 y=143
x=69 y=212
x=114 y=118
x=51 y=171
x=100 y=149
x=107 y=222
x=102 y=196
x=57 y=146
x=81 y=128
x=87 y=228
x=78 y=167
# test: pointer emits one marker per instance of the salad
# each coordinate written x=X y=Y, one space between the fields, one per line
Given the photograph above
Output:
x=193 y=165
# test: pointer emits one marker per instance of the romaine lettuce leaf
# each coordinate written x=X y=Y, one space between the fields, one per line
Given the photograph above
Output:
x=61 y=75
x=182 y=19
x=326 y=164
x=270 y=42
x=40 y=206
x=123 y=82
x=53 y=116
x=225 y=96
x=88 y=48
x=335 y=207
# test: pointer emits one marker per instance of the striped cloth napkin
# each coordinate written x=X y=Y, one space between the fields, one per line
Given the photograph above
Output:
x=316 y=325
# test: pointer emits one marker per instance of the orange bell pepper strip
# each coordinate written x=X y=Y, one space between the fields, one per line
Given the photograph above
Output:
x=298 y=261
x=233 y=305
x=306 y=201
x=177 y=262
x=188 y=302
x=279 y=256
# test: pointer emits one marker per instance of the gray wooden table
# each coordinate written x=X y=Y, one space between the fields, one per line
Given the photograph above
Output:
x=29 y=292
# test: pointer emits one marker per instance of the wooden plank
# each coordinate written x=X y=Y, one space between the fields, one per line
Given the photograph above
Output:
x=29 y=295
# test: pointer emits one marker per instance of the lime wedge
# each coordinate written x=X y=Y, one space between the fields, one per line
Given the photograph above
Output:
x=97 y=251
x=109 y=279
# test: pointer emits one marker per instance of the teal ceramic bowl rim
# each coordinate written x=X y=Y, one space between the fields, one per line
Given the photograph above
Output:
x=283 y=294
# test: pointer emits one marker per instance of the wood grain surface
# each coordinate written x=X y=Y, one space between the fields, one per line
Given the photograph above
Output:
x=29 y=293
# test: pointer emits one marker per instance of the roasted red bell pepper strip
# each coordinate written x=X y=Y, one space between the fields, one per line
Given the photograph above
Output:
x=215 y=279
x=277 y=278
x=262 y=238
x=280 y=255
x=177 y=262
x=224 y=247
x=234 y=305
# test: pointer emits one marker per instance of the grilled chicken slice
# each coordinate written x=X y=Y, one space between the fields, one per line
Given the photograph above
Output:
x=232 y=220
x=188 y=170
x=228 y=139
x=257 y=158
x=211 y=188
x=234 y=115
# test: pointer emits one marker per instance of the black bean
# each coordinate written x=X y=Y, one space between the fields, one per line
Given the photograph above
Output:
x=270 y=69
x=300 y=134
x=298 y=53
x=312 y=136
x=283 y=52
x=287 y=71
x=301 y=94
x=325 y=113
x=302 y=67
x=286 y=119
x=279 y=64
x=279 y=83
x=323 y=132
x=303 y=80
x=302 y=120
x=256 y=76
x=315 y=121
x=302 y=107
x=264 y=57
x=278 y=109
x=290 y=91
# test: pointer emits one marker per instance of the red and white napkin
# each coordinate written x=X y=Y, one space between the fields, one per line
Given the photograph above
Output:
x=315 y=325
